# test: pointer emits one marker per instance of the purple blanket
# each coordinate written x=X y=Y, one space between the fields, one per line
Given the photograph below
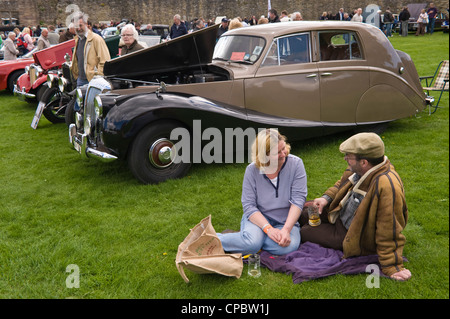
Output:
x=313 y=261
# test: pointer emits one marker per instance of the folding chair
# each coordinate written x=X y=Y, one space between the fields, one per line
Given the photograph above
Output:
x=438 y=82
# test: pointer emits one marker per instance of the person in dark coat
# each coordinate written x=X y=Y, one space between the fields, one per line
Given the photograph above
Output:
x=404 y=20
x=273 y=16
x=178 y=28
x=68 y=35
x=223 y=27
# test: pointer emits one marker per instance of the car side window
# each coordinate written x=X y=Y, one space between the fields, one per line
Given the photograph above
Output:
x=342 y=45
x=289 y=50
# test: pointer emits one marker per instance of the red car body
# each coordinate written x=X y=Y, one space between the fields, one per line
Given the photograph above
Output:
x=45 y=60
x=11 y=70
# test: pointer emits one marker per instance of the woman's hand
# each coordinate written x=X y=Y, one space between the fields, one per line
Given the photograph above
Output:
x=281 y=236
x=285 y=238
x=274 y=234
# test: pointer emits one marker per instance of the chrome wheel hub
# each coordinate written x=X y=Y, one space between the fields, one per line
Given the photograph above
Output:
x=160 y=153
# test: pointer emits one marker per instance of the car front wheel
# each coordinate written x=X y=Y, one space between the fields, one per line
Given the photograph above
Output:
x=69 y=114
x=151 y=157
x=55 y=105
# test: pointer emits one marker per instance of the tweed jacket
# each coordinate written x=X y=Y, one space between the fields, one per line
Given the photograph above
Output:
x=380 y=218
x=96 y=53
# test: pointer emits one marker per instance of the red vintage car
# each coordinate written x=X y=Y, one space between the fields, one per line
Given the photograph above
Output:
x=30 y=86
x=11 y=70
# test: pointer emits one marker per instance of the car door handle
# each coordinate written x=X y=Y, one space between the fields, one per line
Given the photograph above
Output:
x=311 y=75
x=326 y=74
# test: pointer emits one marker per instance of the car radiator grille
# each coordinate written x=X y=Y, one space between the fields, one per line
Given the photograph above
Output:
x=33 y=76
x=89 y=110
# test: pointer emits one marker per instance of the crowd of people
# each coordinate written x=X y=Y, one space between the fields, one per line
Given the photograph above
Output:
x=18 y=43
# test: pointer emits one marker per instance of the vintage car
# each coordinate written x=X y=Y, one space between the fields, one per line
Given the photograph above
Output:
x=57 y=95
x=160 y=29
x=305 y=78
x=29 y=86
x=11 y=70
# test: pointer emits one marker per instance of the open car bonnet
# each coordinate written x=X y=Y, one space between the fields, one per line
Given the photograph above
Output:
x=190 y=50
x=54 y=56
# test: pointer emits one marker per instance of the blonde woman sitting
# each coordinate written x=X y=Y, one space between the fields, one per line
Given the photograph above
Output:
x=273 y=193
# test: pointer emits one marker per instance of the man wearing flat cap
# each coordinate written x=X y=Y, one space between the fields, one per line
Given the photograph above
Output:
x=365 y=211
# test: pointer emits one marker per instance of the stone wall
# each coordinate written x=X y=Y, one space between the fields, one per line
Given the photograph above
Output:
x=157 y=11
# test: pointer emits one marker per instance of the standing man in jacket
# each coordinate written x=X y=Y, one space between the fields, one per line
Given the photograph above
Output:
x=388 y=22
x=273 y=16
x=11 y=51
x=404 y=21
x=43 y=41
x=90 y=53
x=365 y=212
x=178 y=28
x=432 y=13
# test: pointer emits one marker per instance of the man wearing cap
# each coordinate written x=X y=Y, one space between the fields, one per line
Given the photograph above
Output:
x=223 y=27
x=365 y=211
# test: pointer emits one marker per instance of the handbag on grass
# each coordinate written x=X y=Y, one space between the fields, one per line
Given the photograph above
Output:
x=202 y=252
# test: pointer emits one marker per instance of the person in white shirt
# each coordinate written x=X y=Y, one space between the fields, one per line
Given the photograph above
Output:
x=358 y=16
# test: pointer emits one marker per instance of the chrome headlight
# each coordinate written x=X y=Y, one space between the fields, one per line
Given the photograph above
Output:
x=39 y=70
x=98 y=106
x=50 y=79
x=78 y=120
x=93 y=106
x=88 y=125
x=62 y=83
x=79 y=99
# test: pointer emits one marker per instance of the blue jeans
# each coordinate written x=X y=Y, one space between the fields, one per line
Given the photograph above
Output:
x=251 y=239
x=431 y=22
x=388 y=29
x=81 y=82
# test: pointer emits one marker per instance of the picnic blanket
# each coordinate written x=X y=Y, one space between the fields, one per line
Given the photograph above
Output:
x=312 y=261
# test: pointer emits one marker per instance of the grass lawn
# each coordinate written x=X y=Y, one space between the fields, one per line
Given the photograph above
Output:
x=57 y=210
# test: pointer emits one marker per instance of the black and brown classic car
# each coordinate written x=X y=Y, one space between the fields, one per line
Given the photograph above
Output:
x=305 y=78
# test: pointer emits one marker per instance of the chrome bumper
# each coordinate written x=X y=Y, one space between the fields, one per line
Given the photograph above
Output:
x=22 y=94
x=79 y=143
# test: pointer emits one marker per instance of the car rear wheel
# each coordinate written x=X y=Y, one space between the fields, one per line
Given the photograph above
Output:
x=55 y=105
x=150 y=157
x=12 y=79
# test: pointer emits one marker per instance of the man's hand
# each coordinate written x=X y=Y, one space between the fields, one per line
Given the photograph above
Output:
x=320 y=203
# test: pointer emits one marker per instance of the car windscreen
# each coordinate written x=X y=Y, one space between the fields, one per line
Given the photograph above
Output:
x=239 y=48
